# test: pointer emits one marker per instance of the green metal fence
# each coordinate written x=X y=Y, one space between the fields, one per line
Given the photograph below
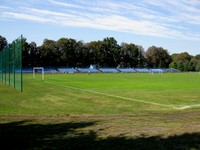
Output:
x=11 y=65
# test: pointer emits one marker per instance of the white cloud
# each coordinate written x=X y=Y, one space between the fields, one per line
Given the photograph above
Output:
x=24 y=17
x=4 y=7
x=64 y=4
x=171 y=19
x=46 y=12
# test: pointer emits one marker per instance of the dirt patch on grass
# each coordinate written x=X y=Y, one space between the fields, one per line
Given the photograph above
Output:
x=164 y=124
x=109 y=132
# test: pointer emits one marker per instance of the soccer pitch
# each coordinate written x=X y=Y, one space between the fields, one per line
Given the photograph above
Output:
x=102 y=111
x=98 y=94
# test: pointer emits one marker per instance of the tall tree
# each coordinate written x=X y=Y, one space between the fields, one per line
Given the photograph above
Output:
x=68 y=49
x=158 y=57
x=3 y=42
x=197 y=57
x=109 y=52
x=79 y=54
x=183 y=62
x=34 y=54
x=49 y=53
x=183 y=57
x=25 y=53
x=92 y=53
x=142 y=57
x=197 y=62
x=129 y=55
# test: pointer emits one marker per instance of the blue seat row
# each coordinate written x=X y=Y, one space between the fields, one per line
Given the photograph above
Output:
x=50 y=70
x=104 y=70
x=127 y=70
x=88 y=70
x=67 y=70
x=142 y=70
x=109 y=70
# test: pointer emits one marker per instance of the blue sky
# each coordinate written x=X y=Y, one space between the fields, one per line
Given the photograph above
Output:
x=171 y=24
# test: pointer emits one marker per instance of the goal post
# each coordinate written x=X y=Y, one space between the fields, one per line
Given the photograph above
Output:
x=38 y=68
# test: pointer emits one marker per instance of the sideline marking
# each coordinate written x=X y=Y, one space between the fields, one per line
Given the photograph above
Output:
x=115 y=96
x=126 y=98
x=189 y=106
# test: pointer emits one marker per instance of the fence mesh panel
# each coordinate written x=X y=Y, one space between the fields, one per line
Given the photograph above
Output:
x=1 y=65
x=11 y=65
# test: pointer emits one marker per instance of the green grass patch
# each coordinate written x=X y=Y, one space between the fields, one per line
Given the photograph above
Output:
x=98 y=94
x=102 y=111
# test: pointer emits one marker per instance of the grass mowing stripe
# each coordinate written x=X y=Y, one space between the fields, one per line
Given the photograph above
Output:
x=116 y=96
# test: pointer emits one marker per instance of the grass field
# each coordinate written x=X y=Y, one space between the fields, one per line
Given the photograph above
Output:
x=102 y=111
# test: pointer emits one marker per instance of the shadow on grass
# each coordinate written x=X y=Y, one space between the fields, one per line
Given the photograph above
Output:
x=25 y=135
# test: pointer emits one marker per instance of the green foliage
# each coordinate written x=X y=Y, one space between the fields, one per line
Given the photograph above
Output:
x=104 y=53
x=197 y=67
x=72 y=53
x=185 y=62
x=130 y=55
x=174 y=55
x=197 y=57
x=182 y=57
x=158 y=57
x=49 y=53
x=180 y=66
x=3 y=42
x=30 y=54
x=109 y=50
x=173 y=65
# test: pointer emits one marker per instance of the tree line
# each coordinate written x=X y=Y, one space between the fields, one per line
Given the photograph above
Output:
x=69 y=52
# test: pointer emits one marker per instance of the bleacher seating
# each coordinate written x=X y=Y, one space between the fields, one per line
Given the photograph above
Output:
x=142 y=70
x=156 y=70
x=88 y=70
x=49 y=70
x=173 y=70
x=46 y=70
x=108 y=70
x=27 y=70
x=103 y=70
x=67 y=70
x=127 y=70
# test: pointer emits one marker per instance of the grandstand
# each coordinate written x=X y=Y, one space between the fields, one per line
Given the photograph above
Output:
x=102 y=70
x=156 y=70
x=50 y=70
x=173 y=70
x=142 y=70
x=109 y=70
x=127 y=70
x=27 y=70
x=88 y=70
x=67 y=70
